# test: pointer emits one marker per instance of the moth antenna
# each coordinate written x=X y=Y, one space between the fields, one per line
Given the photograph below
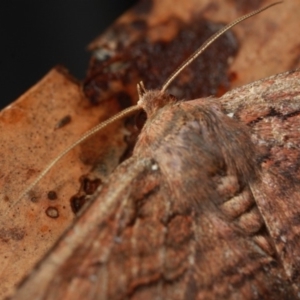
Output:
x=141 y=89
x=89 y=133
x=208 y=42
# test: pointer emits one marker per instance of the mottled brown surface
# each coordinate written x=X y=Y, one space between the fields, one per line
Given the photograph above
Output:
x=146 y=44
x=274 y=119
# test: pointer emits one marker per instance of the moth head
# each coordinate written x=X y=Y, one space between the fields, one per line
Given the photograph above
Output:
x=152 y=100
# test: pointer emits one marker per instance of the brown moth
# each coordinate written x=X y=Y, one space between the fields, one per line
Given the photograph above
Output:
x=188 y=215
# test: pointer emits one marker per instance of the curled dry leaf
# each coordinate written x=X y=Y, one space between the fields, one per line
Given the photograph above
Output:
x=146 y=43
x=34 y=131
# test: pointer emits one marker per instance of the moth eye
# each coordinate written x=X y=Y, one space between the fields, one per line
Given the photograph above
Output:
x=140 y=119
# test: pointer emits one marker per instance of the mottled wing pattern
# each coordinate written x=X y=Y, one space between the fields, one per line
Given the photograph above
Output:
x=272 y=112
x=187 y=216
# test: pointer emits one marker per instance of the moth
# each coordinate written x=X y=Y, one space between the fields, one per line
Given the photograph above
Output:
x=189 y=215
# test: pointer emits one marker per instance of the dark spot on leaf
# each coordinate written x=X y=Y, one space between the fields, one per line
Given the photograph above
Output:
x=63 y=122
x=77 y=203
x=52 y=195
x=34 y=199
x=52 y=212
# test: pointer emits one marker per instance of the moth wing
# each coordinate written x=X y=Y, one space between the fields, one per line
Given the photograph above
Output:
x=271 y=110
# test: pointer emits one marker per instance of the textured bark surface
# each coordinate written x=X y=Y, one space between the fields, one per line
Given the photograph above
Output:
x=147 y=43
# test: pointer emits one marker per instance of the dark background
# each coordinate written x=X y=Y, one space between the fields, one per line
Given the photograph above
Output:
x=37 y=35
